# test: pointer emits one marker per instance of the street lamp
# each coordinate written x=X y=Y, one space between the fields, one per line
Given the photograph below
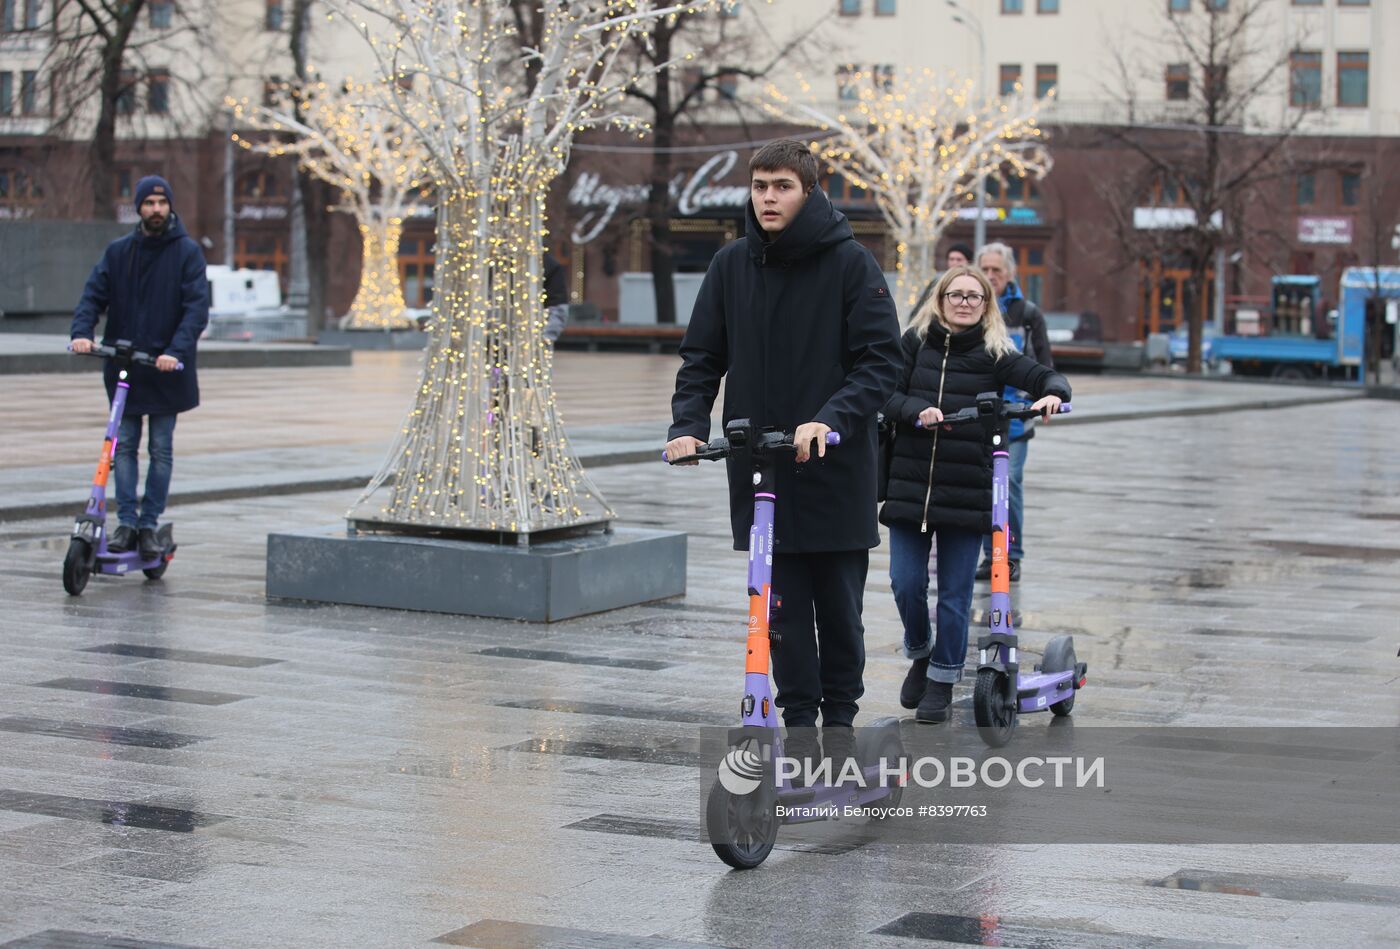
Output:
x=966 y=17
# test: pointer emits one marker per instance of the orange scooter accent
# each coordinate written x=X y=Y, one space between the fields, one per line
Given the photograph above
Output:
x=757 y=657
x=104 y=464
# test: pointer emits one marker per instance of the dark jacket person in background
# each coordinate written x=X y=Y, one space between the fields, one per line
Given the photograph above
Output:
x=798 y=321
x=153 y=289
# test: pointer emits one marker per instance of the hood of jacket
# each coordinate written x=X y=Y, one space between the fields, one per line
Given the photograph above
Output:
x=174 y=230
x=816 y=227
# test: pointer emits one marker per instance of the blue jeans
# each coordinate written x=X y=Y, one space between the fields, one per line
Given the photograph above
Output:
x=957 y=569
x=162 y=432
x=1016 y=452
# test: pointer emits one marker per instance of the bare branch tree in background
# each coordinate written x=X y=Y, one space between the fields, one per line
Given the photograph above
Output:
x=1233 y=153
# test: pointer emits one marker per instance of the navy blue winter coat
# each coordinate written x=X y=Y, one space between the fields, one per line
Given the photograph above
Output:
x=155 y=293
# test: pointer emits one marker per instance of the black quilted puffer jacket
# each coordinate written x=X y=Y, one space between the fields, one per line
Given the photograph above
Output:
x=944 y=478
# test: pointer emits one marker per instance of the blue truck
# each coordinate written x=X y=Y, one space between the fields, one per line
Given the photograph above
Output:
x=1302 y=342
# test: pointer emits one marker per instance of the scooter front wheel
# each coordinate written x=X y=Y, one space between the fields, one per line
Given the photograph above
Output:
x=742 y=827
x=77 y=566
x=994 y=704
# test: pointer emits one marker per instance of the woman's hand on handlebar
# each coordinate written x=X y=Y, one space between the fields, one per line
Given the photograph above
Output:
x=1048 y=406
x=80 y=344
x=678 y=448
x=930 y=417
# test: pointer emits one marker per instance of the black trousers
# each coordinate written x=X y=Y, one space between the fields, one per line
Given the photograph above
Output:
x=819 y=661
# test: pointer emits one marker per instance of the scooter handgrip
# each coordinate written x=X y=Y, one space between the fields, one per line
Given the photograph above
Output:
x=833 y=438
x=1065 y=408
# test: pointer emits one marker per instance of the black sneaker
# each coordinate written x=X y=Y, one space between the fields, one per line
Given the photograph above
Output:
x=984 y=570
x=914 y=684
x=838 y=747
x=938 y=698
x=149 y=543
x=1015 y=570
x=122 y=539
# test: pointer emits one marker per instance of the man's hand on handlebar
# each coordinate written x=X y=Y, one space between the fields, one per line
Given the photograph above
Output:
x=678 y=448
x=80 y=345
x=802 y=440
x=1048 y=406
x=167 y=363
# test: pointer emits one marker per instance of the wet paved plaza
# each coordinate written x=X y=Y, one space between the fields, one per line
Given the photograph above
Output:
x=183 y=763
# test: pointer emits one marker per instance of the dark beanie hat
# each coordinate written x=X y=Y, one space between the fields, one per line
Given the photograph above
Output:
x=962 y=249
x=153 y=184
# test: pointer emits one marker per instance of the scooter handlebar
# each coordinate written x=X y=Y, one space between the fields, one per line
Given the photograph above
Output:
x=109 y=352
x=969 y=414
x=720 y=447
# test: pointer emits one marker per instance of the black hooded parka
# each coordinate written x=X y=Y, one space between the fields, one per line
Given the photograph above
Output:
x=944 y=478
x=803 y=329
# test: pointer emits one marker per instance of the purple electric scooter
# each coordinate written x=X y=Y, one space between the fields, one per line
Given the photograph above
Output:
x=751 y=798
x=87 y=550
x=1002 y=691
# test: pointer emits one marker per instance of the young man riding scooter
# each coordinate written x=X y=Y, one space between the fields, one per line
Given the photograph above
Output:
x=797 y=319
x=153 y=289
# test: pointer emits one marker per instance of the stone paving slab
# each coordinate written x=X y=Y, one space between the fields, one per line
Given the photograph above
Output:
x=410 y=779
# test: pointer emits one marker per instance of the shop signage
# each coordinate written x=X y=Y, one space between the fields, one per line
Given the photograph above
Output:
x=690 y=195
x=1324 y=230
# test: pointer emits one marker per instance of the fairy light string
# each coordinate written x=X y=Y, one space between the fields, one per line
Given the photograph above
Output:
x=348 y=137
x=483 y=446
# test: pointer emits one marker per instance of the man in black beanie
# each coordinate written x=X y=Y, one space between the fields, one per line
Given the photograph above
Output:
x=153 y=289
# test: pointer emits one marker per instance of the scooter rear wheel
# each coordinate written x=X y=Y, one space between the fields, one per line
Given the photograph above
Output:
x=77 y=566
x=994 y=704
x=1059 y=656
x=742 y=827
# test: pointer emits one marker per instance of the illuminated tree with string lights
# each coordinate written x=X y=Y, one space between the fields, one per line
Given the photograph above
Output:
x=494 y=92
x=349 y=138
x=919 y=146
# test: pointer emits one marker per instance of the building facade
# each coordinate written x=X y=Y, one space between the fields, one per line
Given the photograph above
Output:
x=1122 y=108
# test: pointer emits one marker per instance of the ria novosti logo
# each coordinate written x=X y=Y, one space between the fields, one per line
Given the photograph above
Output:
x=741 y=772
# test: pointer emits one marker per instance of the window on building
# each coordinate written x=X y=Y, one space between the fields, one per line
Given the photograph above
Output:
x=123 y=183
x=7 y=93
x=261 y=252
x=11 y=12
x=273 y=16
x=1178 y=6
x=1179 y=82
x=1353 y=3
x=727 y=84
x=9 y=21
x=162 y=14
x=258 y=185
x=1305 y=79
x=1353 y=80
x=29 y=93
x=1047 y=77
x=882 y=75
x=416 y=262
x=126 y=93
x=18 y=188
x=1351 y=189
x=1013 y=6
x=158 y=92
x=884 y=7
x=849 y=7
x=690 y=78
x=1007 y=78
x=1307 y=3
x=1047 y=6
x=847 y=88
x=1217 y=4
x=1305 y=189
x=729 y=9
x=274 y=91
